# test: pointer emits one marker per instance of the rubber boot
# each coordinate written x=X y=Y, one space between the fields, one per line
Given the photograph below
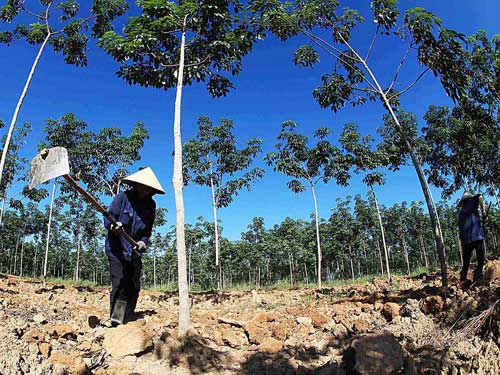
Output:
x=118 y=315
x=130 y=314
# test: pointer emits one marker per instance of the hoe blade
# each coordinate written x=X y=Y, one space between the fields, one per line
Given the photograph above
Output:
x=48 y=164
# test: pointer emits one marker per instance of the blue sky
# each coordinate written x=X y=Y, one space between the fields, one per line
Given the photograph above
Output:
x=269 y=91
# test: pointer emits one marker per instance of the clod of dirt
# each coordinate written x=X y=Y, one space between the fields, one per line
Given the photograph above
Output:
x=234 y=338
x=492 y=270
x=390 y=310
x=304 y=320
x=128 y=339
x=45 y=349
x=70 y=362
x=378 y=354
x=432 y=305
x=270 y=346
x=39 y=319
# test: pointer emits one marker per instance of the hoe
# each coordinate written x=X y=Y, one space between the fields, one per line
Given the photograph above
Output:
x=52 y=163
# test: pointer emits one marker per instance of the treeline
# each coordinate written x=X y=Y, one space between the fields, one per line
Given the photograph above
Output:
x=264 y=256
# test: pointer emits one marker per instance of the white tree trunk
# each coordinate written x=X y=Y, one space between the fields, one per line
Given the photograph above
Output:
x=184 y=321
x=19 y=105
x=15 y=253
x=350 y=260
x=380 y=257
x=4 y=198
x=22 y=256
x=216 y=232
x=407 y=256
x=54 y=185
x=317 y=235
x=77 y=268
x=154 y=267
x=433 y=214
x=382 y=233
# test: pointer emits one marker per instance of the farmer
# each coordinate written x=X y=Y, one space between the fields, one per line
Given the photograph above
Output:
x=134 y=212
x=471 y=233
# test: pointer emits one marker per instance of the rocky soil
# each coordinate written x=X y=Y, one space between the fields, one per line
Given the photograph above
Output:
x=411 y=327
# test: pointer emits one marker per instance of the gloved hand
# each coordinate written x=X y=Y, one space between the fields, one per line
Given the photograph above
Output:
x=116 y=227
x=141 y=247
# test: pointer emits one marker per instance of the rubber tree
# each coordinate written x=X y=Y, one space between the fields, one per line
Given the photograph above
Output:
x=160 y=220
x=367 y=216
x=463 y=140
x=367 y=162
x=171 y=45
x=353 y=80
x=307 y=166
x=14 y=163
x=213 y=159
x=344 y=230
x=59 y=24
x=255 y=237
x=91 y=158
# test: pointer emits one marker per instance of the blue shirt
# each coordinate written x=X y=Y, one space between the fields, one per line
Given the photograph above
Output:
x=469 y=222
x=137 y=217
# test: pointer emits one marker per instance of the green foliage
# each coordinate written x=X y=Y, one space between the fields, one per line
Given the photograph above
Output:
x=99 y=159
x=62 y=23
x=212 y=157
x=294 y=158
x=14 y=163
x=150 y=47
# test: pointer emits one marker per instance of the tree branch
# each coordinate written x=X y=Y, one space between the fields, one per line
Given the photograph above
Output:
x=317 y=38
x=407 y=52
x=372 y=44
x=47 y=18
x=30 y=12
x=411 y=85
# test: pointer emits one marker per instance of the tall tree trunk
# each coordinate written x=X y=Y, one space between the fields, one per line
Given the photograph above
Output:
x=216 y=231
x=15 y=253
x=184 y=321
x=318 y=243
x=78 y=246
x=350 y=260
x=48 y=229
x=380 y=257
x=433 y=214
x=189 y=268
x=154 y=267
x=305 y=270
x=382 y=234
x=407 y=257
x=4 y=198
x=22 y=257
x=19 y=105
x=291 y=268
x=422 y=245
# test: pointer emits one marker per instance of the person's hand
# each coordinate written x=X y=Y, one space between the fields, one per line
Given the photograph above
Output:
x=141 y=247
x=116 y=228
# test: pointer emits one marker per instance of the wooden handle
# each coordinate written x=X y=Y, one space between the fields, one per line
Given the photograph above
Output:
x=98 y=206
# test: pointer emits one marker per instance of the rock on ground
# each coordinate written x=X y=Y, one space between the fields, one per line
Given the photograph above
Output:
x=378 y=354
x=127 y=339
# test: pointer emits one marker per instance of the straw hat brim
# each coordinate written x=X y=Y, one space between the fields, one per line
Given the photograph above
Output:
x=145 y=177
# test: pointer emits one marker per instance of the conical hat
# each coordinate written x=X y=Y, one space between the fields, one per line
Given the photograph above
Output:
x=465 y=196
x=146 y=177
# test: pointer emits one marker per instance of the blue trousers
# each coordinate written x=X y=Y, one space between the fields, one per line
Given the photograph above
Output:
x=125 y=281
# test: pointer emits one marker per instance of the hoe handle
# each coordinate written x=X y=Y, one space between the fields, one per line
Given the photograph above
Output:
x=98 y=206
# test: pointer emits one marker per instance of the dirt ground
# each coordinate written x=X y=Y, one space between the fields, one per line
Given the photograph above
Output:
x=410 y=327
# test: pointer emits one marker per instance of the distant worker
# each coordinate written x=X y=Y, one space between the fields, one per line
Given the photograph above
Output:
x=471 y=233
x=134 y=212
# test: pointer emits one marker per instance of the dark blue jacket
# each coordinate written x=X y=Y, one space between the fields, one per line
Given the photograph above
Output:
x=137 y=217
x=469 y=222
